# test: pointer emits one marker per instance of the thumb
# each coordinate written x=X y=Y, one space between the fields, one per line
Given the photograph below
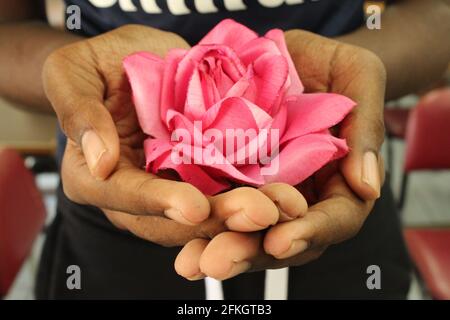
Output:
x=363 y=167
x=81 y=113
x=363 y=129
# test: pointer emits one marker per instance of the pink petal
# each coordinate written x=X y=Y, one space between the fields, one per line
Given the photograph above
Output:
x=270 y=75
x=221 y=79
x=237 y=114
x=302 y=157
x=341 y=145
x=230 y=33
x=211 y=93
x=275 y=133
x=195 y=103
x=314 y=112
x=173 y=58
x=234 y=113
x=180 y=125
x=230 y=64
x=241 y=86
x=280 y=120
x=296 y=86
x=154 y=148
x=256 y=48
x=145 y=73
x=192 y=174
x=213 y=159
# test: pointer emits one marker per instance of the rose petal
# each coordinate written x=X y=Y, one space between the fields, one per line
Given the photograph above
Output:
x=214 y=162
x=270 y=75
x=300 y=158
x=212 y=158
x=296 y=86
x=230 y=33
x=241 y=86
x=145 y=73
x=274 y=135
x=182 y=127
x=173 y=58
x=154 y=148
x=230 y=64
x=193 y=174
x=256 y=48
x=211 y=93
x=234 y=113
x=221 y=79
x=341 y=145
x=195 y=103
x=314 y=112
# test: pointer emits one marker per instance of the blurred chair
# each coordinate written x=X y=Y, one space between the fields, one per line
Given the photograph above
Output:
x=395 y=120
x=429 y=249
x=427 y=137
x=22 y=215
x=428 y=148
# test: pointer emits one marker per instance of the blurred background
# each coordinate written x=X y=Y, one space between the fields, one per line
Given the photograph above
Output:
x=416 y=151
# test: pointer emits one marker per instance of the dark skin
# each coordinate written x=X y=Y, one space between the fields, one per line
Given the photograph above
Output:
x=391 y=58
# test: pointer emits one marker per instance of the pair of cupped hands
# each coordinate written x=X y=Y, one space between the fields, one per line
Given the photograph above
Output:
x=244 y=229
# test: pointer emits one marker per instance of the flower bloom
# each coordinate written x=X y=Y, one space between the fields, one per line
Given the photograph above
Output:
x=197 y=102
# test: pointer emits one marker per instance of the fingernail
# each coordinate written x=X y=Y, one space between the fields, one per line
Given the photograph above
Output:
x=93 y=149
x=297 y=247
x=370 y=174
x=238 y=268
x=241 y=222
x=198 y=276
x=176 y=215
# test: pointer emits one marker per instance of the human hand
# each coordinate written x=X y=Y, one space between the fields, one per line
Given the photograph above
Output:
x=242 y=209
x=326 y=65
x=337 y=216
x=103 y=160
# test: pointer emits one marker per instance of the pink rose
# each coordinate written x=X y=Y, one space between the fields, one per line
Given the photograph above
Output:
x=195 y=104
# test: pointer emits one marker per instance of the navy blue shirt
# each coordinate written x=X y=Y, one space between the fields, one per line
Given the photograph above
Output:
x=193 y=18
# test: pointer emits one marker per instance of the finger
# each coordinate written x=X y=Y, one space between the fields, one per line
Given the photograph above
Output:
x=229 y=254
x=244 y=209
x=364 y=128
x=78 y=102
x=132 y=190
x=187 y=263
x=160 y=230
x=290 y=202
x=336 y=218
x=232 y=253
